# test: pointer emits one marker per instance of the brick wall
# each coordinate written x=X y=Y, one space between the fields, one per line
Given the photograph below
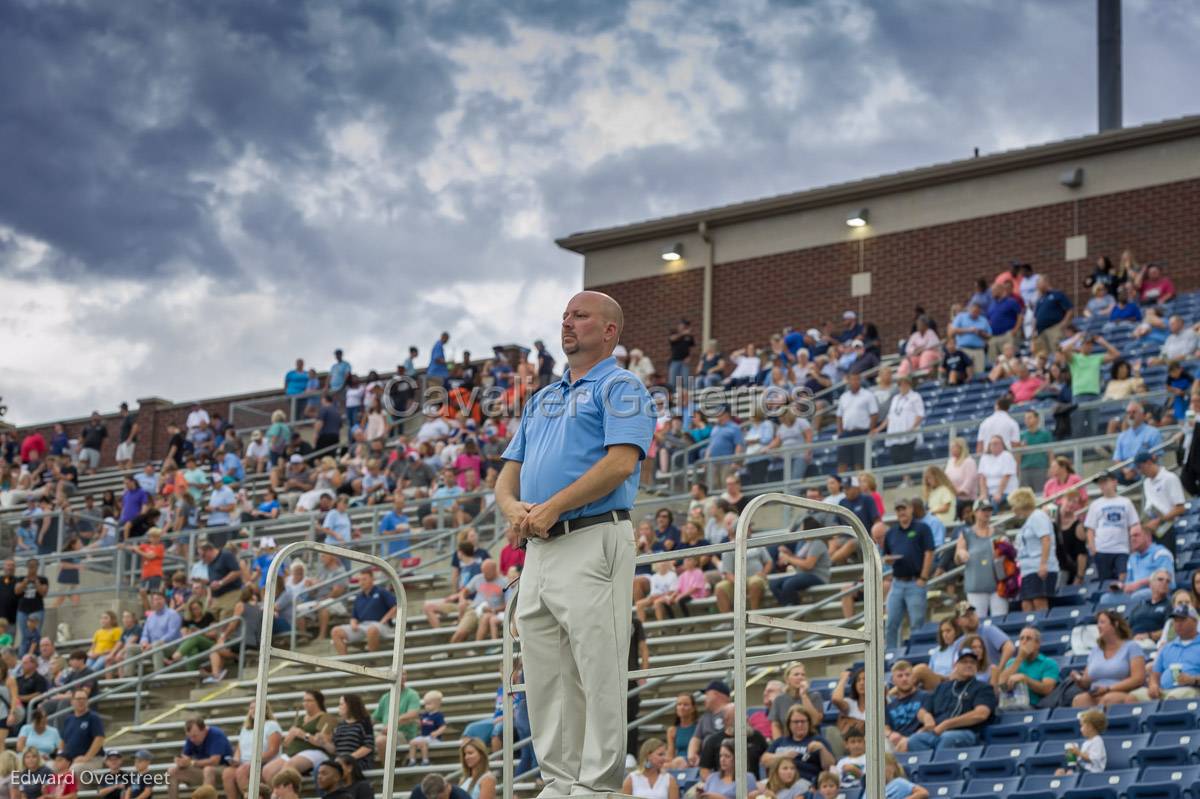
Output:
x=932 y=267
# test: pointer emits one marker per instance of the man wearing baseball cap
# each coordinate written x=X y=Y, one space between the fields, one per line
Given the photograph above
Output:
x=1176 y=671
x=1163 y=499
x=716 y=697
x=908 y=549
x=961 y=707
x=1109 y=520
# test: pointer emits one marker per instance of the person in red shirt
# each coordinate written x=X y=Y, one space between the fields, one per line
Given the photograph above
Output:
x=511 y=556
x=1156 y=288
x=151 y=551
x=62 y=785
x=33 y=448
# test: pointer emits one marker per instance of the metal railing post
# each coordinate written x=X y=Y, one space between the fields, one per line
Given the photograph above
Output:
x=266 y=650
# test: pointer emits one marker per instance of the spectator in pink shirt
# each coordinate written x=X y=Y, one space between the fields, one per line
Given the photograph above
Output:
x=1026 y=385
x=1156 y=288
x=1062 y=477
x=961 y=469
x=759 y=719
x=922 y=349
x=692 y=585
x=468 y=460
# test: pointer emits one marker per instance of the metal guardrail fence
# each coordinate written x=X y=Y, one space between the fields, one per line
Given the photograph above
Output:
x=267 y=650
x=868 y=642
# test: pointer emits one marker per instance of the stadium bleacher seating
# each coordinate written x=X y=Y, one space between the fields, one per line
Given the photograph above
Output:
x=1152 y=747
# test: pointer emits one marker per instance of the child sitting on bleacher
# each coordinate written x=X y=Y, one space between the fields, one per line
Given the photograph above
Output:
x=853 y=765
x=663 y=583
x=433 y=724
x=828 y=786
x=1092 y=756
x=783 y=781
x=897 y=787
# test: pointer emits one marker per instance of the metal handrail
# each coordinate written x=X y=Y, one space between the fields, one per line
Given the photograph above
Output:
x=391 y=675
x=739 y=661
x=139 y=658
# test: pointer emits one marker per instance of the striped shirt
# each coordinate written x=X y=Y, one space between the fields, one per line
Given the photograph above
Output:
x=351 y=735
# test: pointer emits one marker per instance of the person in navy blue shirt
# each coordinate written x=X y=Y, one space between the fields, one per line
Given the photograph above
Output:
x=1052 y=312
x=908 y=549
x=373 y=608
x=665 y=528
x=82 y=734
x=1004 y=313
x=569 y=480
x=205 y=750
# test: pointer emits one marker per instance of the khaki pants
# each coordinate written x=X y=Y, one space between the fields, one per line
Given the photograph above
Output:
x=1049 y=338
x=574 y=618
x=222 y=606
x=978 y=361
x=193 y=777
x=1181 y=692
x=996 y=343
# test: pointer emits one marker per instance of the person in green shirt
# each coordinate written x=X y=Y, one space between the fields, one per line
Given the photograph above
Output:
x=1085 y=380
x=408 y=721
x=1035 y=465
x=1029 y=667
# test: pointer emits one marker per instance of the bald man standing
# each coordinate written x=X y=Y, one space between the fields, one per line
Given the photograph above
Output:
x=569 y=481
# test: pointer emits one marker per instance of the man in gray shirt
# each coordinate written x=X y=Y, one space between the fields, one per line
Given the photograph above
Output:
x=811 y=563
x=758 y=566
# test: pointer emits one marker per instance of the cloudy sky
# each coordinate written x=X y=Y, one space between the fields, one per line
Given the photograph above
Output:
x=194 y=194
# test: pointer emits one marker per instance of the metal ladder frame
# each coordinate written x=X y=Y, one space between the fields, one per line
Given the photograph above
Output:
x=869 y=642
x=266 y=651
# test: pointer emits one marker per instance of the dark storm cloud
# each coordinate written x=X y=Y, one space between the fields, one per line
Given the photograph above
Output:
x=122 y=113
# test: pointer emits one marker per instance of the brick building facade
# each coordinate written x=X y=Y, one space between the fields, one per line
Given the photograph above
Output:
x=932 y=267
x=930 y=233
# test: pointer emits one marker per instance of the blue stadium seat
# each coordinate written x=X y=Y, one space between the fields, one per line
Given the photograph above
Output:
x=686 y=776
x=1050 y=786
x=1051 y=755
x=1063 y=725
x=948 y=765
x=850 y=793
x=950 y=790
x=1070 y=596
x=1122 y=749
x=1188 y=739
x=925 y=634
x=910 y=760
x=1015 y=727
x=1066 y=618
x=1105 y=785
x=1166 y=782
x=1055 y=643
x=1012 y=623
x=1129 y=719
x=1001 y=760
x=989 y=788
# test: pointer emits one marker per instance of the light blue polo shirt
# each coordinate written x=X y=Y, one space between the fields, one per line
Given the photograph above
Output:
x=438 y=353
x=338 y=374
x=1135 y=439
x=725 y=440
x=567 y=427
x=1143 y=564
x=971 y=340
x=1187 y=654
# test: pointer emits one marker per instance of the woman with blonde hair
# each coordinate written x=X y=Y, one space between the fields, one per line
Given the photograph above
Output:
x=478 y=780
x=236 y=776
x=651 y=780
x=783 y=781
x=870 y=487
x=1036 y=557
x=961 y=470
x=939 y=495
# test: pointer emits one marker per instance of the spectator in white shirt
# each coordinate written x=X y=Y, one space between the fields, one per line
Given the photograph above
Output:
x=663 y=583
x=747 y=367
x=795 y=431
x=1181 y=344
x=1164 y=499
x=997 y=474
x=857 y=413
x=1001 y=424
x=257 y=453
x=1109 y=520
x=905 y=414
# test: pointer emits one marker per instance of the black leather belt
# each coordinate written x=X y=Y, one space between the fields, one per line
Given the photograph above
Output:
x=571 y=525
